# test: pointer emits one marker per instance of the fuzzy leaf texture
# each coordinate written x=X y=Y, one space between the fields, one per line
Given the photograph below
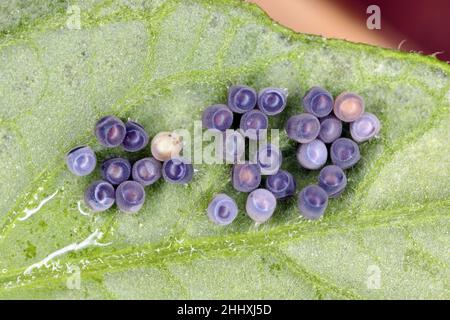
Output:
x=161 y=63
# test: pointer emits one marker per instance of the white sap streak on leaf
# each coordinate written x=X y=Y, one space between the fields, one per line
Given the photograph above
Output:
x=82 y=212
x=89 y=241
x=30 y=212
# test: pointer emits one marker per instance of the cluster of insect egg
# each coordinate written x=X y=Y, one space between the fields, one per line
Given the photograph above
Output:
x=323 y=124
x=320 y=124
x=116 y=186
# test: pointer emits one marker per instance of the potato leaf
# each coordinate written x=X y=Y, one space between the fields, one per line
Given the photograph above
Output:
x=161 y=63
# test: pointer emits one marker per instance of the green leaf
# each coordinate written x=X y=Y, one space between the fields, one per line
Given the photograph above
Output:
x=161 y=63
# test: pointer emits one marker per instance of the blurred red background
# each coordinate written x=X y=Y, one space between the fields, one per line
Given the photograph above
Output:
x=419 y=25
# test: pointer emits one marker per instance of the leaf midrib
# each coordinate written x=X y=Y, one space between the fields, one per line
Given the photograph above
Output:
x=131 y=257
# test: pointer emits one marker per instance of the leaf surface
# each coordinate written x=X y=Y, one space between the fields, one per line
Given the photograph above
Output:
x=161 y=63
